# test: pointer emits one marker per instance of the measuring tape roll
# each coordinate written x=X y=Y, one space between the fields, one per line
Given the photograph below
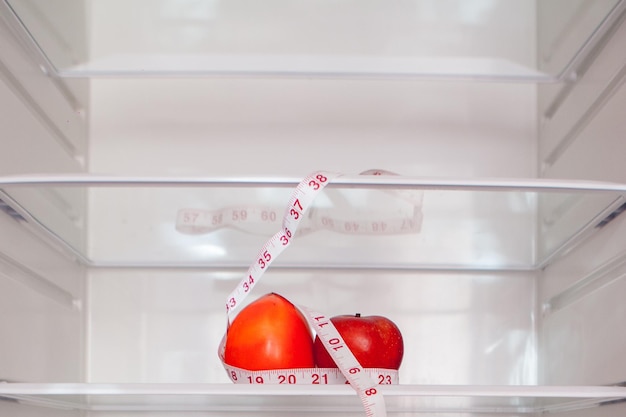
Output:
x=364 y=381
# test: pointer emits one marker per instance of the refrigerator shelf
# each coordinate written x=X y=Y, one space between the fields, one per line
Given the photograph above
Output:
x=330 y=400
x=498 y=40
x=359 y=222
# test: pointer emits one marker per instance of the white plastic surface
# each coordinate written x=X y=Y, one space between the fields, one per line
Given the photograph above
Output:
x=478 y=323
x=563 y=121
x=212 y=400
x=278 y=127
x=174 y=321
x=40 y=326
x=493 y=40
x=56 y=123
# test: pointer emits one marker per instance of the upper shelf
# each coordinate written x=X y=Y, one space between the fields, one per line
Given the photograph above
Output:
x=489 y=40
x=361 y=222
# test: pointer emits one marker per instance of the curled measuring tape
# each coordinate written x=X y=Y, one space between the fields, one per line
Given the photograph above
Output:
x=401 y=214
x=365 y=381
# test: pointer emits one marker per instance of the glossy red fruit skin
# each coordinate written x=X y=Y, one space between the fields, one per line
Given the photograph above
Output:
x=269 y=333
x=375 y=341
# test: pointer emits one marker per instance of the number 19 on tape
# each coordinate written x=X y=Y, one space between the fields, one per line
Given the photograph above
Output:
x=306 y=376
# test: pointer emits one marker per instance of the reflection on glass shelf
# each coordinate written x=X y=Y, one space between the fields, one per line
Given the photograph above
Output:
x=306 y=66
x=358 y=222
x=327 y=399
x=498 y=39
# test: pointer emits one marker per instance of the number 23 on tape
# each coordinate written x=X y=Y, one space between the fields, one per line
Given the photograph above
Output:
x=306 y=376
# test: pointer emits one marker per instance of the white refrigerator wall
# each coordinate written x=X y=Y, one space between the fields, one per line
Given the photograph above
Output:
x=41 y=316
x=475 y=328
x=582 y=135
x=458 y=328
x=63 y=322
x=291 y=127
x=294 y=126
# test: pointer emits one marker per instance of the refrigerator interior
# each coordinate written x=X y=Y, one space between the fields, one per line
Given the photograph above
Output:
x=150 y=148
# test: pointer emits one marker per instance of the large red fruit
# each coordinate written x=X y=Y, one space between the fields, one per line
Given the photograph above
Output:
x=375 y=341
x=269 y=333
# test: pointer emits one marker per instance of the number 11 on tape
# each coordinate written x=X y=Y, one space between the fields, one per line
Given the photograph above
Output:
x=366 y=388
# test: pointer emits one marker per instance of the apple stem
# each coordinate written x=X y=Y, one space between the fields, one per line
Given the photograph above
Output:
x=357 y=315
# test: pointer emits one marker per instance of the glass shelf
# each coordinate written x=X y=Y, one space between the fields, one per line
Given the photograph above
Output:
x=362 y=222
x=497 y=40
x=337 y=399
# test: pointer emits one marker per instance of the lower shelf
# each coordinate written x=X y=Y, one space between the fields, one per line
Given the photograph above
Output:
x=328 y=399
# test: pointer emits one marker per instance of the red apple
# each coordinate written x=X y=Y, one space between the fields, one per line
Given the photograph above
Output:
x=375 y=341
x=269 y=333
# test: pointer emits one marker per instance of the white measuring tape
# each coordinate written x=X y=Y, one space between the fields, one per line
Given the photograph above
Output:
x=299 y=202
x=308 y=376
x=365 y=381
x=403 y=217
